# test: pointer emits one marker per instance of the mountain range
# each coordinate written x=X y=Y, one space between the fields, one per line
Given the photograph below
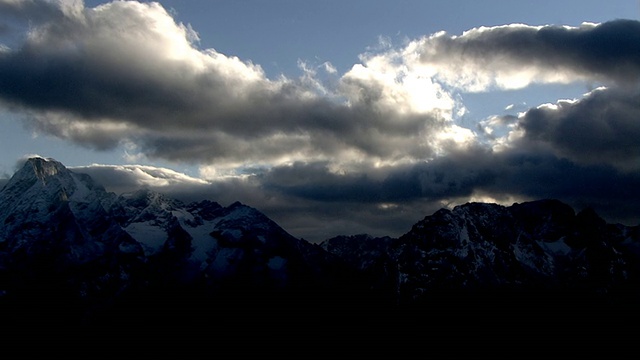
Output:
x=72 y=253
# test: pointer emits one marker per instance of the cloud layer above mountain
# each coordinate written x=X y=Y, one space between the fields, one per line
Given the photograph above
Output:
x=379 y=143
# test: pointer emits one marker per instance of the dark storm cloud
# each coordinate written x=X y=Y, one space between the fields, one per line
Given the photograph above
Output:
x=315 y=181
x=602 y=127
x=529 y=175
x=512 y=174
x=613 y=193
x=513 y=56
x=544 y=175
x=437 y=180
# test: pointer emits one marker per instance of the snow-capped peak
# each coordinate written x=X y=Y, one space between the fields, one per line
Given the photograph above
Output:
x=47 y=177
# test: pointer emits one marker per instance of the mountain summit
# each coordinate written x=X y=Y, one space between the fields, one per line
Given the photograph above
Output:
x=51 y=212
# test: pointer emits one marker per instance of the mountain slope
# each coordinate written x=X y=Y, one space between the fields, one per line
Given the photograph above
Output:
x=56 y=238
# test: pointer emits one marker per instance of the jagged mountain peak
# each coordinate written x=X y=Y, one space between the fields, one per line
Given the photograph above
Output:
x=35 y=170
x=589 y=218
x=240 y=216
x=477 y=207
x=52 y=214
x=44 y=168
x=48 y=177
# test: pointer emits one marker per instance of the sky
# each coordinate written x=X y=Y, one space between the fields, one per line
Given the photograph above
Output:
x=331 y=117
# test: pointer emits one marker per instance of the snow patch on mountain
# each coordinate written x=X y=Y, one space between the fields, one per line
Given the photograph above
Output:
x=149 y=234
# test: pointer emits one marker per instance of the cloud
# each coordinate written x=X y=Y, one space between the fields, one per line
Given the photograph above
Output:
x=126 y=178
x=514 y=56
x=34 y=10
x=507 y=176
x=600 y=128
x=126 y=72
